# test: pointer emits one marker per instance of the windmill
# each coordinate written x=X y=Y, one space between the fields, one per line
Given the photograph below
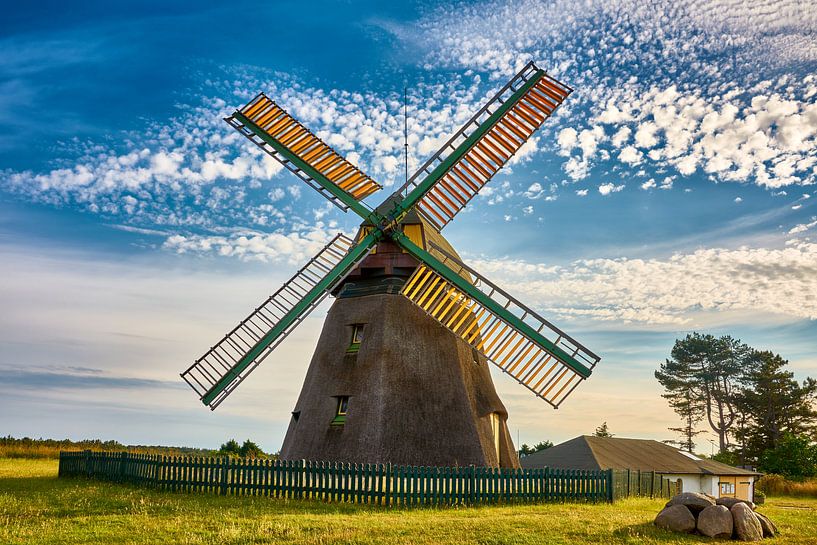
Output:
x=400 y=372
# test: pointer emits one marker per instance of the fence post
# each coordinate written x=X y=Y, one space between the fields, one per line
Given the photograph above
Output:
x=224 y=469
x=610 y=495
x=299 y=491
x=122 y=461
x=88 y=471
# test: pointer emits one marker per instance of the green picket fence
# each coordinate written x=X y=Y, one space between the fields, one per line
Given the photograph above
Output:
x=380 y=484
x=633 y=482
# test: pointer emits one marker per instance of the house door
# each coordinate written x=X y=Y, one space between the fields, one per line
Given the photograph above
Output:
x=742 y=491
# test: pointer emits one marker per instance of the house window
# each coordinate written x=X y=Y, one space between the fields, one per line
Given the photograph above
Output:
x=357 y=338
x=727 y=488
x=340 y=411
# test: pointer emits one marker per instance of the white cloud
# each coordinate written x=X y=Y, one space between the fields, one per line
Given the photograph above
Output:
x=803 y=227
x=567 y=140
x=631 y=156
x=649 y=184
x=738 y=200
x=534 y=191
x=608 y=188
x=645 y=135
x=695 y=104
x=581 y=192
x=692 y=289
x=621 y=137
x=291 y=248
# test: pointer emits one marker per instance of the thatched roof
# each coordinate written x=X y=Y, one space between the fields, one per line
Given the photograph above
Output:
x=590 y=452
x=418 y=394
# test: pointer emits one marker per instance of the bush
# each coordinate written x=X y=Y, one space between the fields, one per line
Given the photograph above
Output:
x=778 y=485
x=794 y=456
x=760 y=497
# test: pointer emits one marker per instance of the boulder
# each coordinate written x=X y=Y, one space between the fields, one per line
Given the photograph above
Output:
x=747 y=525
x=729 y=502
x=715 y=521
x=676 y=518
x=693 y=501
x=769 y=529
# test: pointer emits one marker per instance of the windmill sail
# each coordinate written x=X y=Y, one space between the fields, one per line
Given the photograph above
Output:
x=537 y=354
x=281 y=136
x=222 y=368
x=455 y=174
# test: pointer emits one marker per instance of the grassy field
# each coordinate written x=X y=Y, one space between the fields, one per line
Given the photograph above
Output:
x=36 y=507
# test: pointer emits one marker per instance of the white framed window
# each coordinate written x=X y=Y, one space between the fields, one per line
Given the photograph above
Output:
x=727 y=488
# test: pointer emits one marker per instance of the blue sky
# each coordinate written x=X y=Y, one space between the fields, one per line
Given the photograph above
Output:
x=673 y=191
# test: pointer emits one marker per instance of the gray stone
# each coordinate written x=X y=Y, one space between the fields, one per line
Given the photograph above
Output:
x=747 y=525
x=695 y=502
x=769 y=528
x=715 y=521
x=676 y=518
x=729 y=502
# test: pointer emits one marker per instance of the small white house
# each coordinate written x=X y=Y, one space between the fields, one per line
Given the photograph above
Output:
x=690 y=473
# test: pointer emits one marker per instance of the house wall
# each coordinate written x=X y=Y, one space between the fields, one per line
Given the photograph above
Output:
x=691 y=483
x=710 y=484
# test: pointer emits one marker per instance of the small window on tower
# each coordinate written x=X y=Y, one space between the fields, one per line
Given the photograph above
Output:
x=357 y=338
x=340 y=412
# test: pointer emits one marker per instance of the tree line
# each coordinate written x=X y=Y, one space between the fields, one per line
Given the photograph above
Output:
x=748 y=398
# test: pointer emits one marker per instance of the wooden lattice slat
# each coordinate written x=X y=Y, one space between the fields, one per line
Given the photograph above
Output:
x=277 y=123
x=533 y=365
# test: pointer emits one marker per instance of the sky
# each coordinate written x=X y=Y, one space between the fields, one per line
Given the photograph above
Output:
x=672 y=192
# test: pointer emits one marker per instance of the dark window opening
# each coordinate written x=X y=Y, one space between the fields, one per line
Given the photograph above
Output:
x=357 y=338
x=296 y=415
x=340 y=411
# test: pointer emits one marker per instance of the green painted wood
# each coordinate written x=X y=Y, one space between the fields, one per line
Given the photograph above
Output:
x=429 y=181
x=466 y=287
x=379 y=484
x=327 y=184
x=355 y=253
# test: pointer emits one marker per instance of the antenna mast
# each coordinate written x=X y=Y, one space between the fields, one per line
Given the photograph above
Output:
x=405 y=128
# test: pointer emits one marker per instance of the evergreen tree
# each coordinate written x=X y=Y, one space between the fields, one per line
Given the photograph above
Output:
x=706 y=371
x=230 y=448
x=525 y=450
x=602 y=431
x=690 y=410
x=773 y=404
x=251 y=450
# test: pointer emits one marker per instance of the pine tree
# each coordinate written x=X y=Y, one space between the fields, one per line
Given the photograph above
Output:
x=251 y=450
x=707 y=370
x=774 y=404
x=230 y=448
x=603 y=431
x=690 y=411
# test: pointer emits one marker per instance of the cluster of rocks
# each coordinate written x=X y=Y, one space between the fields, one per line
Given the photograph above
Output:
x=722 y=517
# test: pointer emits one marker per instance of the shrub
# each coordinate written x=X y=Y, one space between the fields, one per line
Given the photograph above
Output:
x=794 y=456
x=778 y=485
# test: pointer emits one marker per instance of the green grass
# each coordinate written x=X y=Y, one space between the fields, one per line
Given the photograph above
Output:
x=36 y=507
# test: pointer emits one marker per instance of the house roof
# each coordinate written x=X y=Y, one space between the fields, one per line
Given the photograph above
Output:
x=590 y=452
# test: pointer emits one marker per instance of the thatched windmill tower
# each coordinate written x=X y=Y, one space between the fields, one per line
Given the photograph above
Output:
x=400 y=372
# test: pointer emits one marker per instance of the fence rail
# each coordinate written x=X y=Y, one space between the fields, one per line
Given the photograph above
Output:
x=633 y=482
x=380 y=484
